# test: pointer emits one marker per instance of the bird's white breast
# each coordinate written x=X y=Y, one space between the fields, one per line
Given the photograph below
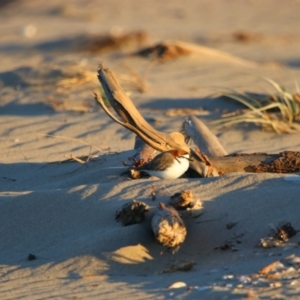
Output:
x=178 y=168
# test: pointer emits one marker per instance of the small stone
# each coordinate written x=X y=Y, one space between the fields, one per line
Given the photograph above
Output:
x=230 y=225
x=244 y=279
x=275 y=284
x=177 y=285
x=250 y=294
x=31 y=257
x=202 y=288
x=29 y=31
x=291 y=270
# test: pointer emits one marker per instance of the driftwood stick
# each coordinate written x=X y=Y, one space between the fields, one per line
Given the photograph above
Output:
x=284 y=162
x=202 y=136
x=168 y=227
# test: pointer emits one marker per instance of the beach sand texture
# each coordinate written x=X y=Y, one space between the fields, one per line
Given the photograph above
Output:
x=63 y=212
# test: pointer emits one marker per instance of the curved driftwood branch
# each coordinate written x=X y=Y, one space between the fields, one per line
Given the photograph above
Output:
x=132 y=119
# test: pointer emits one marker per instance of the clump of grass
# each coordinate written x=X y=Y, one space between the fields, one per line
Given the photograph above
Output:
x=279 y=112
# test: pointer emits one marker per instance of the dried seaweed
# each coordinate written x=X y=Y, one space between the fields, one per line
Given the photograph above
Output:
x=278 y=236
x=164 y=51
x=132 y=212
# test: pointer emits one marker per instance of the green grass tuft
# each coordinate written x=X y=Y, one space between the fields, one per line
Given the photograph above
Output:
x=279 y=112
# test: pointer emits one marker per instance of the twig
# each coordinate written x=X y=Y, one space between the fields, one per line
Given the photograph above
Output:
x=81 y=161
x=7 y=178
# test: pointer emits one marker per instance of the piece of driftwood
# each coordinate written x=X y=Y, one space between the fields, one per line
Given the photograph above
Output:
x=283 y=162
x=130 y=117
x=168 y=227
x=203 y=137
x=213 y=164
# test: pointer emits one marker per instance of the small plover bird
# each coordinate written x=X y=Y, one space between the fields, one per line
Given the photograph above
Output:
x=167 y=165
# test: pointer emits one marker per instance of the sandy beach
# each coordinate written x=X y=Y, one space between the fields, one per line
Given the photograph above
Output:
x=58 y=236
